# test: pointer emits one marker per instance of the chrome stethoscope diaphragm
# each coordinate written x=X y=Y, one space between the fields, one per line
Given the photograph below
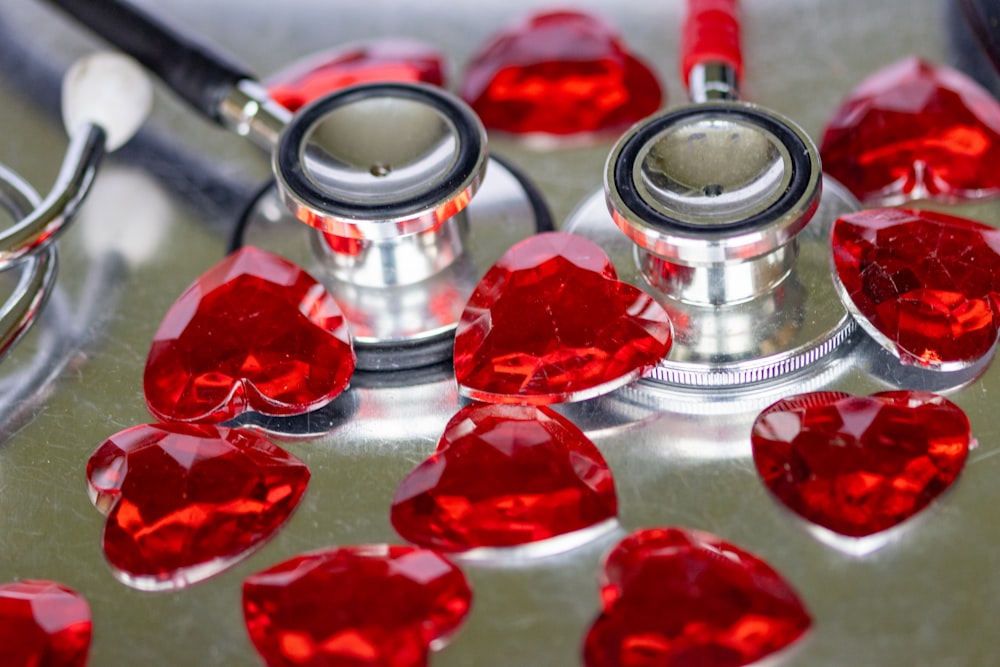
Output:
x=721 y=211
x=383 y=176
x=405 y=211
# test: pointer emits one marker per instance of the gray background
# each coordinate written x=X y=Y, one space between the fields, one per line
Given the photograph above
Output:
x=931 y=596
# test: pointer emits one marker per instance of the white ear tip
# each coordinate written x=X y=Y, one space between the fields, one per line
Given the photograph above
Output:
x=106 y=89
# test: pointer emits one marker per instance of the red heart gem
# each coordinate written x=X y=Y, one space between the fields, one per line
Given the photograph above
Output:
x=255 y=332
x=675 y=597
x=43 y=624
x=559 y=73
x=857 y=465
x=914 y=130
x=504 y=475
x=372 y=61
x=550 y=322
x=375 y=605
x=185 y=501
x=924 y=284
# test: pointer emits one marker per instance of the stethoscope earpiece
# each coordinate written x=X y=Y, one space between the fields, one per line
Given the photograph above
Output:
x=108 y=90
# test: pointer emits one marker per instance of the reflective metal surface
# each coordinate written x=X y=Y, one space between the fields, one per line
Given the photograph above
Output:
x=160 y=214
x=712 y=169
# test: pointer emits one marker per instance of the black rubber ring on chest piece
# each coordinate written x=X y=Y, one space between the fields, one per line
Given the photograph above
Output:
x=289 y=163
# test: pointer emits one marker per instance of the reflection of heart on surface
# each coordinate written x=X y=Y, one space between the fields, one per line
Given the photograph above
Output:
x=185 y=501
x=860 y=465
x=551 y=322
x=674 y=597
x=255 y=332
x=559 y=73
x=504 y=475
x=926 y=285
x=372 y=605
x=912 y=131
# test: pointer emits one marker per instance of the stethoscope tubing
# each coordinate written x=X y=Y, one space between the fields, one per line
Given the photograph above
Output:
x=200 y=74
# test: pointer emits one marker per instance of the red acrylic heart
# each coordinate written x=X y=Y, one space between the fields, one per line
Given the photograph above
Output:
x=43 y=624
x=674 y=597
x=185 y=501
x=373 y=61
x=255 y=332
x=926 y=285
x=559 y=73
x=914 y=130
x=504 y=475
x=858 y=466
x=373 y=605
x=550 y=322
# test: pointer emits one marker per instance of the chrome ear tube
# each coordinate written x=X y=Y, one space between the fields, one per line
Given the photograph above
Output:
x=720 y=209
x=382 y=175
x=105 y=98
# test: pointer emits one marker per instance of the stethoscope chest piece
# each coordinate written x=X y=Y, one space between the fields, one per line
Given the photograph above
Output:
x=404 y=211
x=721 y=211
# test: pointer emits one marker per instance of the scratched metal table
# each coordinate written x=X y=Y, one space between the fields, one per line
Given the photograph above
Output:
x=160 y=214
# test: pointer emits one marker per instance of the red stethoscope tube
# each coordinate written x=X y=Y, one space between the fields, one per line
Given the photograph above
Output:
x=711 y=35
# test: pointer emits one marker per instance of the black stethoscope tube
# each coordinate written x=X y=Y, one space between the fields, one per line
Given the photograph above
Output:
x=198 y=73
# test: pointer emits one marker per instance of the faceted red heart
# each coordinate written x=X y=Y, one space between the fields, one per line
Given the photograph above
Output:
x=43 y=624
x=912 y=131
x=360 y=606
x=924 y=284
x=858 y=466
x=550 y=322
x=675 y=597
x=559 y=73
x=504 y=475
x=255 y=332
x=373 y=61
x=185 y=501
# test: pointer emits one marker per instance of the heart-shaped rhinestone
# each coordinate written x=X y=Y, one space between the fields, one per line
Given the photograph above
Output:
x=373 y=61
x=43 y=624
x=860 y=465
x=551 y=322
x=674 y=597
x=559 y=73
x=914 y=130
x=377 y=605
x=255 y=332
x=925 y=285
x=504 y=475
x=185 y=501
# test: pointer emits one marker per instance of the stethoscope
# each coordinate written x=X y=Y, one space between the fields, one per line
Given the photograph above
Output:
x=105 y=98
x=716 y=208
x=406 y=207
